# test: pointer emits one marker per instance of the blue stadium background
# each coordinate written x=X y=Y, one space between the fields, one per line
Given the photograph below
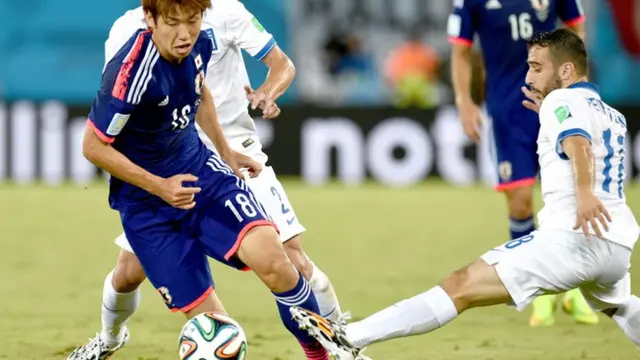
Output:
x=54 y=49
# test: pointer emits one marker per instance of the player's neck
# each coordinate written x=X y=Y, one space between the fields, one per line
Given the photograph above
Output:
x=575 y=80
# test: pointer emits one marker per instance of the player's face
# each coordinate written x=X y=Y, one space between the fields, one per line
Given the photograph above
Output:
x=175 y=33
x=543 y=76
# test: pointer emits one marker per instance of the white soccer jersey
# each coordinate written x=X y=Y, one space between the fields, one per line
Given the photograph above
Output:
x=579 y=110
x=231 y=28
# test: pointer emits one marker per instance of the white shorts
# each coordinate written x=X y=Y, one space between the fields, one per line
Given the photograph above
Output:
x=270 y=193
x=554 y=261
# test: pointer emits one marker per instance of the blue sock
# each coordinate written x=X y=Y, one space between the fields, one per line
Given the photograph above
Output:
x=521 y=227
x=302 y=296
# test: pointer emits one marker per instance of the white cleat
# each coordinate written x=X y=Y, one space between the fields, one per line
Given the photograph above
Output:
x=330 y=335
x=96 y=349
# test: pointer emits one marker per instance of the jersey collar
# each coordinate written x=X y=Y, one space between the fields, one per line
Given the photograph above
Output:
x=585 y=85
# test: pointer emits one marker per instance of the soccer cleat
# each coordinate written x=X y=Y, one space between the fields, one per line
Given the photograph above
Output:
x=96 y=349
x=576 y=305
x=329 y=334
x=544 y=311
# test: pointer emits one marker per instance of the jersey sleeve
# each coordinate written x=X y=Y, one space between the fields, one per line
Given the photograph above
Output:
x=460 y=25
x=125 y=79
x=570 y=12
x=562 y=116
x=121 y=32
x=247 y=31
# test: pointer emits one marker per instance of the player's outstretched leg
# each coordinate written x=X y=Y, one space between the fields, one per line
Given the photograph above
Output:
x=120 y=299
x=262 y=251
x=318 y=280
x=475 y=285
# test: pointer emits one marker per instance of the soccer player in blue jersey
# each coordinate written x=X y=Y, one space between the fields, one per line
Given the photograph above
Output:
x=503 y=28
x=179 y=203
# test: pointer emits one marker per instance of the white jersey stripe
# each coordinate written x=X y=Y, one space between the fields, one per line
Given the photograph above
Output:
x=136 y=79
x=149 y=75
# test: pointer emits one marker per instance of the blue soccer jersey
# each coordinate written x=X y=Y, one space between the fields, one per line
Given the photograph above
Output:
x=146 y=108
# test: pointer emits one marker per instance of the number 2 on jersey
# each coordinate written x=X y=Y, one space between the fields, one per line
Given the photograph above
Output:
x=245 y=205
x=606 y=184
x=275 y=192
x=521 y=27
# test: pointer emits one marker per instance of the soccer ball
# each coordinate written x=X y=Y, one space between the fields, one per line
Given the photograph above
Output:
x=211 y=336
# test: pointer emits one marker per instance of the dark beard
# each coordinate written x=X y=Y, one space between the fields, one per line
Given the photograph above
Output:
x=554 y=84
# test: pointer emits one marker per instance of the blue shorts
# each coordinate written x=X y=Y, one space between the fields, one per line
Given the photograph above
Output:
x=173 y=244
x=515 y=134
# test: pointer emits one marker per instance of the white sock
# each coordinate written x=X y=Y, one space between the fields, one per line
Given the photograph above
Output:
x=325 y=294
x=117 y=308
x=417 y=315
x=628 y=318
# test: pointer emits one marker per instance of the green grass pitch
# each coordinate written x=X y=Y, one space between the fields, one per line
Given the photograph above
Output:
x=378 y=245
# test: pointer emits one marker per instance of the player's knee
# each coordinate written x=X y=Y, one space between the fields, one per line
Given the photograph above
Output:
x=520 y=202
x=279 y=274
x=128 y=274
x=456 y=286
x=262 y=251
x=297 y=256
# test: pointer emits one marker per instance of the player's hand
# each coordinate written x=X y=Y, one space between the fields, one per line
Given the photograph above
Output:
x=260 y=99
x=535 y=99
x=471 y=117
x=175 y=194
x=591 y=211
x=239 y=161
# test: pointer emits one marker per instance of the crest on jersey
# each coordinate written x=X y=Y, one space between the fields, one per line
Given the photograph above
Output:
x=164 y=292
x=257 y=24
x=541 y=8
x=118 y=121
x=505 y=170
x=562 y=113
x=200 y=82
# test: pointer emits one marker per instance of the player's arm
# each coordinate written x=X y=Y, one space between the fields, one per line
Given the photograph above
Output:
x=460 y=33
x=207 y=118
x=561 y=119
x=572 y=15
x=281 y=73
x=96 y=147
x=461 y=73
x=253 y=38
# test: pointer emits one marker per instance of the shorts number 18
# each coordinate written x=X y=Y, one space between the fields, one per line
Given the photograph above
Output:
x=245 y=205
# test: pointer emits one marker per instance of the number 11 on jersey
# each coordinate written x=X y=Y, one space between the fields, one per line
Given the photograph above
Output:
x=608 y=167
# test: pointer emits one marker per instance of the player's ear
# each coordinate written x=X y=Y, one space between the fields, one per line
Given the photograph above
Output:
x=567 y=70
x=151 y=21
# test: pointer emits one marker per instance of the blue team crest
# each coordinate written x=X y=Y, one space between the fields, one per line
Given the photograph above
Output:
x=200 y=82
x=164 y=292
x=541 y=8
